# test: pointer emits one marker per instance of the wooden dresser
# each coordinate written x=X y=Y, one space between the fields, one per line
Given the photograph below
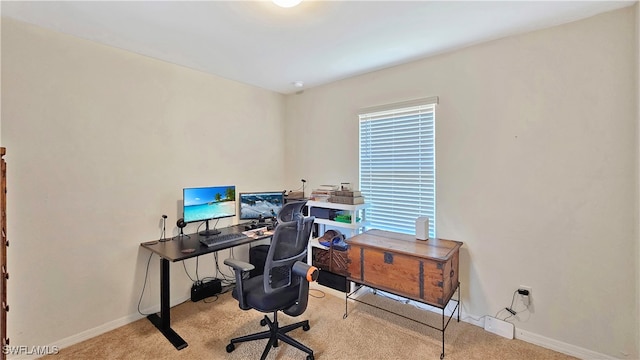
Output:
x=4 y=274
x=421 y=270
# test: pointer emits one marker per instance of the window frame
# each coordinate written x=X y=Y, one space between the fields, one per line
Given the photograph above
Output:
x=386 y=136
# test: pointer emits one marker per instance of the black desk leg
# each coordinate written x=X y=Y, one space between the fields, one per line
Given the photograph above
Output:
x=163 y=322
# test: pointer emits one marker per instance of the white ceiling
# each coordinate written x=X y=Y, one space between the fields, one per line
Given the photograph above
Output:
x=258 y=43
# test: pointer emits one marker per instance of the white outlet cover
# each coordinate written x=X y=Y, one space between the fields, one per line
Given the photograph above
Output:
x=498 y=327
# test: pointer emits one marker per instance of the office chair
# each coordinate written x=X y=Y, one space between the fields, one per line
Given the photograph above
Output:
x=284 y=285
x=291 y=211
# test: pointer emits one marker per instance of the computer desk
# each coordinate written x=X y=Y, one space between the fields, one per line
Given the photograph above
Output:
x=177 y=249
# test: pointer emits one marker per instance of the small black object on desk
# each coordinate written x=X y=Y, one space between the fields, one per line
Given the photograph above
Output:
x=270 y=223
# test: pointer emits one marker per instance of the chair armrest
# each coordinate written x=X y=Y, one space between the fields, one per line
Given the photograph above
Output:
x=307 y=274
x=305 y=271
x=239 y=268
x=239 y=265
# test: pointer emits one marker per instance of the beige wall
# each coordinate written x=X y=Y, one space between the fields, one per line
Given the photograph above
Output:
x=100 y=144
x=536 y=171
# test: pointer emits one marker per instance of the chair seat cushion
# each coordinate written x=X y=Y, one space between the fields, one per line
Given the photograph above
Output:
x=256 y=297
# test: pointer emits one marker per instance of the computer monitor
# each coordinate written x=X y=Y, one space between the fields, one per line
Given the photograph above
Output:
x=208 y=203
x=260 y=205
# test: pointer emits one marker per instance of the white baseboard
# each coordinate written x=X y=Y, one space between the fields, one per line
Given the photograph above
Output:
x=560 y=346
x=98 y=330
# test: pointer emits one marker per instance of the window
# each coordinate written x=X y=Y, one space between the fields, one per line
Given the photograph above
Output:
x=397 y=165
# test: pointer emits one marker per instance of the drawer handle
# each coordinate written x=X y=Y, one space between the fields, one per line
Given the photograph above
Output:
x=452 y=273
x=388 y=258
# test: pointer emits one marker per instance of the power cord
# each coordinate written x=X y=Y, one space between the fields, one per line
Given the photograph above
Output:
x=146 y=274
x=226 y=278
x=204 y=222
x=510 y=309
x=321 y=294
x=144 y=285
x=186 y=272
x=227 y=282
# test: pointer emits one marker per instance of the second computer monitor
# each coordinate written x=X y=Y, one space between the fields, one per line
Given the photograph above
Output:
x=260 y=205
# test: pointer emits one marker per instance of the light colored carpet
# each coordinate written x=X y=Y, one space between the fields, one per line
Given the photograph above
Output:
x=366 y=333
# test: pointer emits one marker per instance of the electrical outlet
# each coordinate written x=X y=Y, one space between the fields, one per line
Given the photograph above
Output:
x=525 y=287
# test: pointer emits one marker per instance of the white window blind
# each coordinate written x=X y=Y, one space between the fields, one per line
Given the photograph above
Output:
x=397 y=165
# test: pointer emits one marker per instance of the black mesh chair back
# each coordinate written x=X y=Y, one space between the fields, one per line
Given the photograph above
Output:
x=291 y=211
x=288 y=245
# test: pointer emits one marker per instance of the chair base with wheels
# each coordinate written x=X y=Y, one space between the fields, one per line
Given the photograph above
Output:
x=274 y=334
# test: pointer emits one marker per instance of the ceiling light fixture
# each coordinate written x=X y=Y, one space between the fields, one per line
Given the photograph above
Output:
x=298 y=84
x=287 y=3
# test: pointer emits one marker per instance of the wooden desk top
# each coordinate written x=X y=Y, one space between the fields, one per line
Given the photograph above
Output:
x=177 y=248
x=436 y=249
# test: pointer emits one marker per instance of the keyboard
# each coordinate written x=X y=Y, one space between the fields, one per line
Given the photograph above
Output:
x=217 y=239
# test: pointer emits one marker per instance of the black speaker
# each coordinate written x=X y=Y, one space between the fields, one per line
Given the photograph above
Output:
x=181 y=225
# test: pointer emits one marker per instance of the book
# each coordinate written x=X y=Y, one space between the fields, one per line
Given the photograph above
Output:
x=347 y=200
x=348 y=193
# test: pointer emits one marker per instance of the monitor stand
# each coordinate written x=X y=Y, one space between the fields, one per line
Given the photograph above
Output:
x=209 y=232
x=182 y=235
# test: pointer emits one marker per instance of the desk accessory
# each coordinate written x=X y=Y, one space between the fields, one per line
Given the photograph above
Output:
x=201 y=290
x=422 y=228
x=164 y=226
x=181 y=225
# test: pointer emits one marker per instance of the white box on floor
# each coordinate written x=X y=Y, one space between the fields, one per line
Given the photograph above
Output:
x=498 y=327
